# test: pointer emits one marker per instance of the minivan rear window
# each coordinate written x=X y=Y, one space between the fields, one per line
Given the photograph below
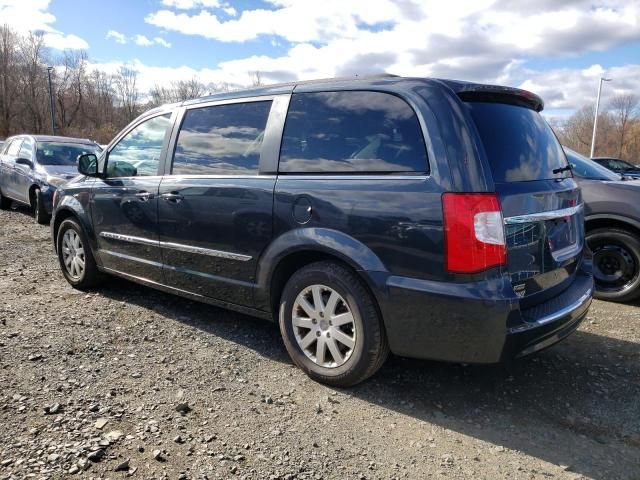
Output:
x=519 y=144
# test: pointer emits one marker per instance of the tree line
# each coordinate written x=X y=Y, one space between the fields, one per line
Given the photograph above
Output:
x=618 y=133
x=88 y=103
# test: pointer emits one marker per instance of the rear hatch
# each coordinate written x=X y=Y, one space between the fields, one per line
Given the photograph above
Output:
x=540 y=201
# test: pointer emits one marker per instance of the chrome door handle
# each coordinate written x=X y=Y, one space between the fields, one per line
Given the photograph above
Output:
x=144 y=196
x=172 y=197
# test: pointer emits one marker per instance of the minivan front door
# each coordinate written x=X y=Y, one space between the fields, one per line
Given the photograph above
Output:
x=215 y=209
x=124 y=203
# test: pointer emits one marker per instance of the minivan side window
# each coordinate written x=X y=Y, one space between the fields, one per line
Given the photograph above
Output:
x=221 y=139
x=351 y=132
x=137 y=154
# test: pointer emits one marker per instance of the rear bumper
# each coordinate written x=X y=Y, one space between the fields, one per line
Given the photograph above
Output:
x=478 y=322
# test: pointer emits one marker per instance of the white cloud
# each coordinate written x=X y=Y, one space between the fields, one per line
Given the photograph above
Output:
x=142 y=41
x=117 y=36
x=162 y=42
x=481 y=40
x=567 y=88
x=232 y=12
x=188 y=4
x=32 y=16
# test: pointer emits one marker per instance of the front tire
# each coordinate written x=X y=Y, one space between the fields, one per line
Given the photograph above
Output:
x=616 y=264
x=39 y=212
x=331 y=326
x=75 y=256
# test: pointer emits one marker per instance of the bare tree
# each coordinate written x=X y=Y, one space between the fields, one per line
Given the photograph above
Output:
x=178 y=91
x=127 y=91
x=8 y=78
x=71 y=87
x=256 y=78
x=33 y=57
x=623 y=108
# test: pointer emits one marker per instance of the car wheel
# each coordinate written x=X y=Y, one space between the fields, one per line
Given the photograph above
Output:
x=616 y=264
x=5 y=202
x=75 y=256
x=39 y=212
x=331 y=326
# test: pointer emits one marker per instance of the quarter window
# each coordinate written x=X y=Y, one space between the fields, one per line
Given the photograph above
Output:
x=221 y=139
x=137 y=154
x=351 y=132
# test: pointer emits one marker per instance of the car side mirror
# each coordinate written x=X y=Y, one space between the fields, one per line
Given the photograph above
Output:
x=88 y=164
x=24 y=161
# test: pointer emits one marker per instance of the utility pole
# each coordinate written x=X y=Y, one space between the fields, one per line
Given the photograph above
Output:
x=52 y=106
x=595 y=120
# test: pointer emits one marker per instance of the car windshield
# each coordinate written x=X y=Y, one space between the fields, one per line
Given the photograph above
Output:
x=618 y=165
x=60 y=153
x=582 y=167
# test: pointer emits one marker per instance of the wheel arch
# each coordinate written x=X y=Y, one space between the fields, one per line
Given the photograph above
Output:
x=32 y=194
x=595 y=222
x=73 y=210
x=298 y=248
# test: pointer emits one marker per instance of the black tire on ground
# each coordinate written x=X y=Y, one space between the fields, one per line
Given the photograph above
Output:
x=370 y=349
x=39 y=212
x=616 y=264
x=90 y=277
x=5 y=202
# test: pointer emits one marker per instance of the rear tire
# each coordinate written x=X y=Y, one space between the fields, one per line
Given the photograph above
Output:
x=331 y=326
x=616 y=264
x=39 y=212
x=5 y=202
x=75 y=256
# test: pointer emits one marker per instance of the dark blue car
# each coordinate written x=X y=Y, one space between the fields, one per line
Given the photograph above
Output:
x=33 y=166
x=430 y=218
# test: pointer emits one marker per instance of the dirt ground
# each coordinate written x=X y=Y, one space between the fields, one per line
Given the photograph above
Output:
x=127 y=381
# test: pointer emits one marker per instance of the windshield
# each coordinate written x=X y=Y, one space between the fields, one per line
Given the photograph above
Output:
x=519 y=144
x=59 y=153
x=620 y=165
x=582 y=167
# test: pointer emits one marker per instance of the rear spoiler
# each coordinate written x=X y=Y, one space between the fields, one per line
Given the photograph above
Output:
x=496 y=94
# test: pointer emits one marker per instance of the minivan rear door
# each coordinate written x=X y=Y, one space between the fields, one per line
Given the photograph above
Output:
x=540 y=201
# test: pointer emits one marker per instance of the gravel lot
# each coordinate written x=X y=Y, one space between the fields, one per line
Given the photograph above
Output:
x=128 y=381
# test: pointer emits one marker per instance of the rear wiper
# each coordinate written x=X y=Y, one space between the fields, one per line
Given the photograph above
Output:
x=562 y=169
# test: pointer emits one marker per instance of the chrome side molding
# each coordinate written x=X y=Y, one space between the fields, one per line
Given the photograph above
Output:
x=541 y=216
x=206 y=251
x=177 y=246
x=129 y=238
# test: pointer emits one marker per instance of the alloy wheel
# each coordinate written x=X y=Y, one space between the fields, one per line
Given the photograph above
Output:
x=73 y=254
x=324 y=326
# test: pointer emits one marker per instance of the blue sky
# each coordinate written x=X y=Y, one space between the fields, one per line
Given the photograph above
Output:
x=557 y=48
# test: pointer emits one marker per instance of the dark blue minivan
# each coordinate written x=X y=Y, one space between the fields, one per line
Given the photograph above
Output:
x=430 y=218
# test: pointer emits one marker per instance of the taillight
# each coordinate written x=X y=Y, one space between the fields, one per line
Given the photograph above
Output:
x=474 y=233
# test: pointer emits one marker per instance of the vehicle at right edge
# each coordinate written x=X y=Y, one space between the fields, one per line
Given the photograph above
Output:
x=618 y=166
x=428 y=218
x=612 y=223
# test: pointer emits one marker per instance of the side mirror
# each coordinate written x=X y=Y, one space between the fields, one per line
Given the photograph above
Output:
x=88 y=165
x=24 y=161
